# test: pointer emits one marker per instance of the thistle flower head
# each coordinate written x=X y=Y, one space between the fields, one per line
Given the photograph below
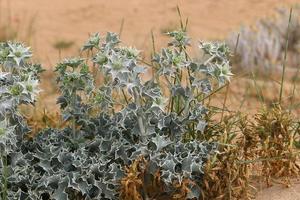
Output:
x=130 y=52
x=117 y=65
x=18 y=52
x=93 y=42
x=4 y=52
x=216 y=49
x=111 y=40
x=67 y=63
x=223 y=72
x=100 y=58
x=180 y=38
x=169 y=60
x=31 y=88
x=72 y=62
x=16 y=90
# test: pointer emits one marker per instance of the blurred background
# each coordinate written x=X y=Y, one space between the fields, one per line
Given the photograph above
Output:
x=49 y=25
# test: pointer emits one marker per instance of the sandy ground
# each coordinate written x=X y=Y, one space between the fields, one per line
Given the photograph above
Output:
x=280 y=193
x=73 y=20
x=45 y=22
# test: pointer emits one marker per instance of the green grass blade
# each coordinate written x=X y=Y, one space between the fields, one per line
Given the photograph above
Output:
x=285 y=56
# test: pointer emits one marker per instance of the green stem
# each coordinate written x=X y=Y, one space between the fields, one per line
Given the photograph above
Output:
x=209 y=59
x=294 y=86
x=173 y=97
x=4 y=177
x=285 y=55
x=224 y=102
x=73 y=119
x=125 y=97
x=140 y=118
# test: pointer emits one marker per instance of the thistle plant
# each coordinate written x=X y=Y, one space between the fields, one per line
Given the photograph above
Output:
x=163 y=122
x=120 y=121
x=19 y=82
x=75 y=81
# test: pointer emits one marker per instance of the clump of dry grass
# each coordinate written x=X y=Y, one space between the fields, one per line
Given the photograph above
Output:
x=263 y=146
x=226 y=175
x=44 y=119
x=132 y=184
x=138 y=185
x=277 y=132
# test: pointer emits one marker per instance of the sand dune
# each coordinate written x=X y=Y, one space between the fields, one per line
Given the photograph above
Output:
x=72 y=20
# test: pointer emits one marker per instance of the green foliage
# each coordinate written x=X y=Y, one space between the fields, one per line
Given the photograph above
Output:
x=115 y=123
x=18 y=85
